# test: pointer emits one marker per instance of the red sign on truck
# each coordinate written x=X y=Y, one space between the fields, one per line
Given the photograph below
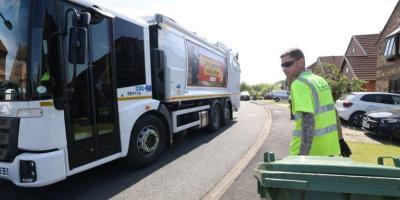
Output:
x=205 y=68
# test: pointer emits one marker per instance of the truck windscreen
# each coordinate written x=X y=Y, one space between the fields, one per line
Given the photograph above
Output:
x=13 y=48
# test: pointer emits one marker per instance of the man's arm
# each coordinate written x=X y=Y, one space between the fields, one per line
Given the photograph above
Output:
x=308 y=126
x=339 y=125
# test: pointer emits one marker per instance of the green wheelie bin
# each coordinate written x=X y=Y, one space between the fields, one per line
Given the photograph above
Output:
x=326 y=178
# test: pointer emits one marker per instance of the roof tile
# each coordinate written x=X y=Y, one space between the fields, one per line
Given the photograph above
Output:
x=368 y=43
x=364 y=67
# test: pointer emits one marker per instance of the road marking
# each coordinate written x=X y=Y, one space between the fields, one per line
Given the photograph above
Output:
x=223 y=185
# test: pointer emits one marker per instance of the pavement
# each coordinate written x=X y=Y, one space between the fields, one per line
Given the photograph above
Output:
x=350 y=134
x=278 y=140
x=356 y=135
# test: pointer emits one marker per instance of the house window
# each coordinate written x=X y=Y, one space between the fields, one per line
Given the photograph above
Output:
x=390 y=47
x=394 y=85
x=347 y=70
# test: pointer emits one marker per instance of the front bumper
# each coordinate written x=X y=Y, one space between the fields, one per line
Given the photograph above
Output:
x=48 y=168
x=375 y=127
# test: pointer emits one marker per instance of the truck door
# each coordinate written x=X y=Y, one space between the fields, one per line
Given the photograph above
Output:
x=91 y=110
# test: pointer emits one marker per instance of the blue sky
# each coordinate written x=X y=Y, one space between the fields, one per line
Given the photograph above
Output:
x=261 y=30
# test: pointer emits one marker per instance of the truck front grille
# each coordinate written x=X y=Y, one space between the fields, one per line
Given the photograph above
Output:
x=3 y=171
x=9 y=128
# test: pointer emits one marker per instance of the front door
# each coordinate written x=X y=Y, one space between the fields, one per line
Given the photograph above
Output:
x=91 y=110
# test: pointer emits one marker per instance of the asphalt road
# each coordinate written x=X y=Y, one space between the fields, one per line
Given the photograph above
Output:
x=187 y=170
x=278 y=140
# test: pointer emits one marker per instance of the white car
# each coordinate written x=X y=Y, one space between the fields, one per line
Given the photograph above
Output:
x=351 y=107
x=278 y=95
x=245 y=96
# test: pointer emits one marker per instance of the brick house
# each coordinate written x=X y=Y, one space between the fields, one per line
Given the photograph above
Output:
x=312 y=66
x=360 y=60
x=388 y=59
x=334 y=60
x=3 y=55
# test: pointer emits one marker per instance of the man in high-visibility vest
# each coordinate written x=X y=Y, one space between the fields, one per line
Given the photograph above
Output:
x=316 y=131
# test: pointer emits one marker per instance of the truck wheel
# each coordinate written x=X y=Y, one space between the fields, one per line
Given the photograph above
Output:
x=147 y=141
x=227 y=113
x=215 y=117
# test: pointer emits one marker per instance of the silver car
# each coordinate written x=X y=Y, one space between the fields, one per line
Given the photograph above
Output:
x=279 y=95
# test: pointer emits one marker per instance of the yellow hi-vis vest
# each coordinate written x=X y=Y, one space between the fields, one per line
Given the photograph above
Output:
x=311 y=94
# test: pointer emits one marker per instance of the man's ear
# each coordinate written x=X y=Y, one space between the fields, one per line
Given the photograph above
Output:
x=302 y=61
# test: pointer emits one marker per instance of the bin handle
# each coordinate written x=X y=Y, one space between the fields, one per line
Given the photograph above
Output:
x=269 y=157
x=396 y=161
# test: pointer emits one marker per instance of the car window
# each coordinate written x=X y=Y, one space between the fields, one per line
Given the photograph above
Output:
x=371 y=98
x=386 y=99
x=396 y=99
x=379 y=98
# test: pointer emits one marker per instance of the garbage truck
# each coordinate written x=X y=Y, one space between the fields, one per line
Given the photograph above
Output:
x=81 y=86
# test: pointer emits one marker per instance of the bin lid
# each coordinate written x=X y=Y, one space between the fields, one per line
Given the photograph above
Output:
x=329 y=165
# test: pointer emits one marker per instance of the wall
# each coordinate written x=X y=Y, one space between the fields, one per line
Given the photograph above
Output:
x=358 y=51
x=387 y=69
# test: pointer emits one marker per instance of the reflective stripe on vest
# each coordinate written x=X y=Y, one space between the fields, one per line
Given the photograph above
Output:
x=320 y=110
x=318 y=132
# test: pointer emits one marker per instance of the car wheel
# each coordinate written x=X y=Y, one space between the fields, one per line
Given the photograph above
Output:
x=356 y=119
x=277 y=99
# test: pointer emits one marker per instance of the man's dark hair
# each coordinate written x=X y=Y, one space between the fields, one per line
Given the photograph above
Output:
x=294 y=53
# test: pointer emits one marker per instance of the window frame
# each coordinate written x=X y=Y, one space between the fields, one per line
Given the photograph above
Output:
x=391 y=47
x=363 y=98
x=122 y=81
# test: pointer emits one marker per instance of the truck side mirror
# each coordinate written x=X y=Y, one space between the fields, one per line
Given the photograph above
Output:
x=78 y=45
x=157 y=77
x=78 y=40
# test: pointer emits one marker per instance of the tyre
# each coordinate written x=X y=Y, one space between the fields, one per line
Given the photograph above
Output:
x=356 y=119
x=147 y=142
x=227 y=113
x=277 y=99
x=215 y=117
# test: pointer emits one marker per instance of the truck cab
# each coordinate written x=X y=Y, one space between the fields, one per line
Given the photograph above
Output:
x=79 y=88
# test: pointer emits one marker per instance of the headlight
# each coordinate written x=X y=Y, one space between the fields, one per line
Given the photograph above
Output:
x=390 y=121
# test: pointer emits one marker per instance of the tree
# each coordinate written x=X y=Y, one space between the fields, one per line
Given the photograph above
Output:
x=338 y=82
x=280 y=85
x=244 y=87
x=262 y=88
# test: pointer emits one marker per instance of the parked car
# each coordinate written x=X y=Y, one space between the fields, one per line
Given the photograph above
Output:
x=244 y=96
x=268 y=95
x=383 y=122
x=352 y=107
x=278 y=95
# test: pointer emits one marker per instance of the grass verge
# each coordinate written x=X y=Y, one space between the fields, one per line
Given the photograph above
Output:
x=369 y=153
